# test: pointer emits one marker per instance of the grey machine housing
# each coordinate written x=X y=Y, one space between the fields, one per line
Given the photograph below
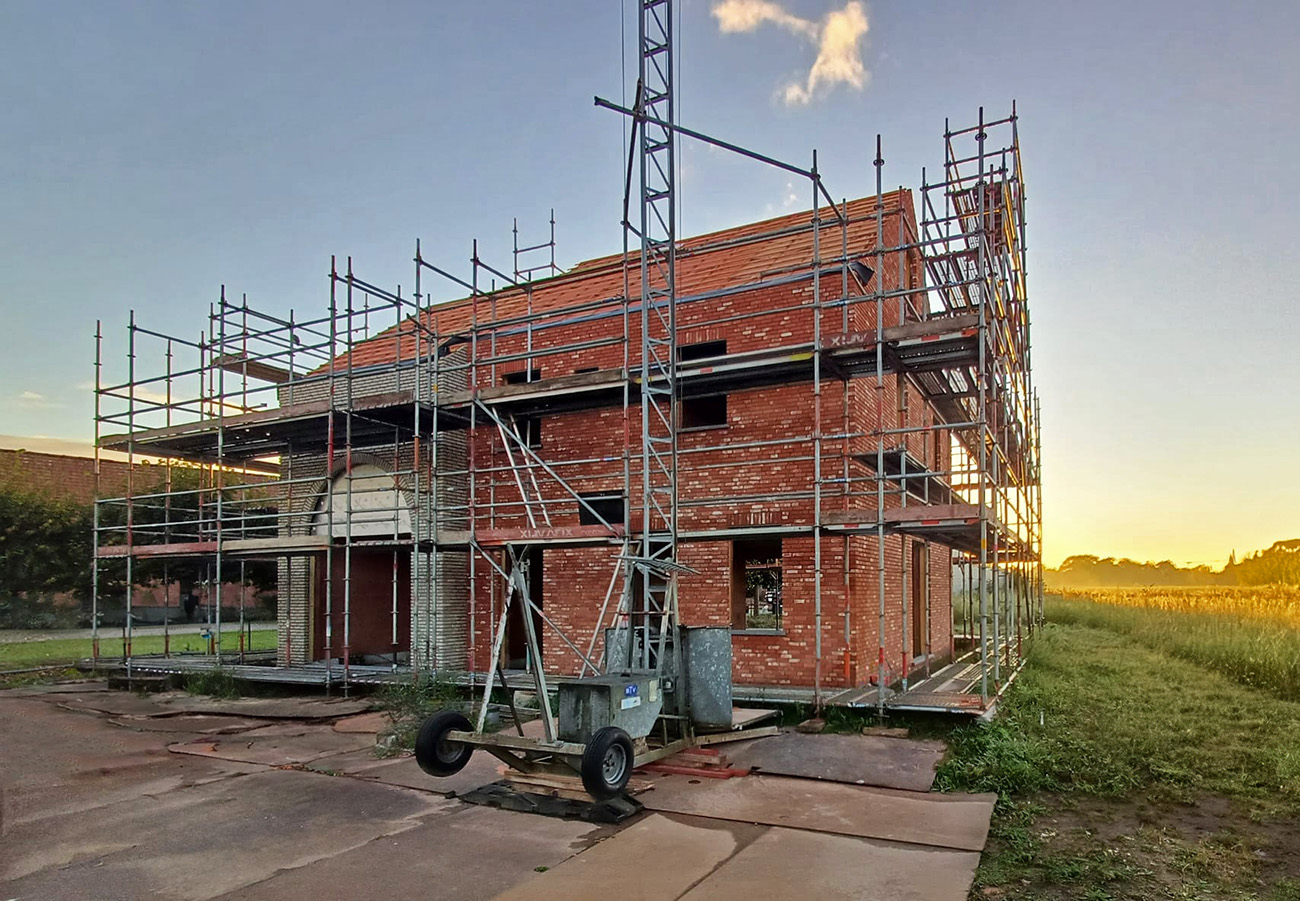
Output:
x=633 y=699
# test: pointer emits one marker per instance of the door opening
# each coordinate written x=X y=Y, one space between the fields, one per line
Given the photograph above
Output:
x=514 y=653
x=920 y=590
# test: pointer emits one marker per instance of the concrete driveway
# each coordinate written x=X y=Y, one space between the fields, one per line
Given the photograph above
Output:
x=108 y=795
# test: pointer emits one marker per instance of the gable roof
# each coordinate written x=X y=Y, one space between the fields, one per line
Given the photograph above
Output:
x=745 y=255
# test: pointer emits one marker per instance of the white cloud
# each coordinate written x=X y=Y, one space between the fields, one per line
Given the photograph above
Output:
x=737 y=16
x=838 y=37
x=32 y=400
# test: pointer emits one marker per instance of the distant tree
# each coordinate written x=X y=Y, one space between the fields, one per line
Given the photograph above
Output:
x=1279 y=564
x=45 y=548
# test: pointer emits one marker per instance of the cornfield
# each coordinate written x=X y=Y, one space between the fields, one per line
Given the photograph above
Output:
x=1250 y=634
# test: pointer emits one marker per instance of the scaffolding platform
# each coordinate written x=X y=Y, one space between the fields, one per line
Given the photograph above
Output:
x=956 y=525
x=242 y=438
x=243 y=548
x=925 y=696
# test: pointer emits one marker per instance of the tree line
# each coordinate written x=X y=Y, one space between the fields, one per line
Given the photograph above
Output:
x=1277 y=565
x=47 y=548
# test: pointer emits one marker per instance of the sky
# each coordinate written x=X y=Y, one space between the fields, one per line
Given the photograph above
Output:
x=151 y=152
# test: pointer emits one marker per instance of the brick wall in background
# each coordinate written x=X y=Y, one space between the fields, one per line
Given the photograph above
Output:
x=71 y=478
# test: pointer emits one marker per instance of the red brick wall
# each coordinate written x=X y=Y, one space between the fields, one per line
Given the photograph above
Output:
x=756 y=470
x=576 y=581
x=71 y=478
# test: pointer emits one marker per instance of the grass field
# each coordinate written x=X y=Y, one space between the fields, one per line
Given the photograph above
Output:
x=1136 y=760
x=16 y=655
x=1251 y=635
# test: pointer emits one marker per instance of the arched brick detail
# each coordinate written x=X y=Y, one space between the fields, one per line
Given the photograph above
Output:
x=309 y=503
x=295 y=573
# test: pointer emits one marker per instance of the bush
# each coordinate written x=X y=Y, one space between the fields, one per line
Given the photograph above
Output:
x=45 y=551
x=39 y=611
x=409 y=704
x=216 y=683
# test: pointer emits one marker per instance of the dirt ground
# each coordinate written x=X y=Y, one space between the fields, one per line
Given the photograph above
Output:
x=1205 y=848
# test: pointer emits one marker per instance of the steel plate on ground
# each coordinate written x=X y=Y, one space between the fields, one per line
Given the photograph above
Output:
x=653 y=859
x=832 y=867
x=939 y=821
x=855 y=759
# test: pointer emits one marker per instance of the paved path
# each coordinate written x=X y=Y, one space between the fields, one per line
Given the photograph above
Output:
x=110 y=795
x=8 y=636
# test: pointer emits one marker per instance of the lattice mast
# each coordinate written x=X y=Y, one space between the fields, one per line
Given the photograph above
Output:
x=658 y=234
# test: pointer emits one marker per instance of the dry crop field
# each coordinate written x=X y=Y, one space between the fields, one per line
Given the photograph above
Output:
x=1250 y=634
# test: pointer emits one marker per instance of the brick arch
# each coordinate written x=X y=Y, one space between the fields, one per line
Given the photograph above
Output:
x=306 y=505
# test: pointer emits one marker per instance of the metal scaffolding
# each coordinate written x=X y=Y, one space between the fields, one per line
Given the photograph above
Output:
x=426 y=431
x=230 y=419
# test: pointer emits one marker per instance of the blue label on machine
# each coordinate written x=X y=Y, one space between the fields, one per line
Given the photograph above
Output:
x=630 y=691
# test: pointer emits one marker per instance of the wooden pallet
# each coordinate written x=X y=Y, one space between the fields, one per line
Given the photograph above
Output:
x=710 y=763
x=554 y=785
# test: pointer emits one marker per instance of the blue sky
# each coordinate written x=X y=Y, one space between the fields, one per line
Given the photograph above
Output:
x=154 y=151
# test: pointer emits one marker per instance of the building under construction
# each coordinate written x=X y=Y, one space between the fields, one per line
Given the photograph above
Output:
x=802 y=428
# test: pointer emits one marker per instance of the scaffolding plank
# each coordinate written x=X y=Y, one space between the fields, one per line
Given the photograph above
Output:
x=925 y=330
x=910 y=515
x=596 y=534
x=241 y=364
x=271 y=425
x=248 y=547
x=537 y=389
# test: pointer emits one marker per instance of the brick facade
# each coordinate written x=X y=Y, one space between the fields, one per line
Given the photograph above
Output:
x=750 y=476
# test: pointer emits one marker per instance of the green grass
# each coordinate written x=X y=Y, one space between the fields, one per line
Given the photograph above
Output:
x=40 y=677
x=1100 y=730
x=1097 y=713
x=19 y=654
x=214 y=683
x=409 y=704
x=1259 y=653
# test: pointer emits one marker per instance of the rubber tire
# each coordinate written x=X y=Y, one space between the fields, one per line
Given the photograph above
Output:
x=608 y=740
x=435 y=755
